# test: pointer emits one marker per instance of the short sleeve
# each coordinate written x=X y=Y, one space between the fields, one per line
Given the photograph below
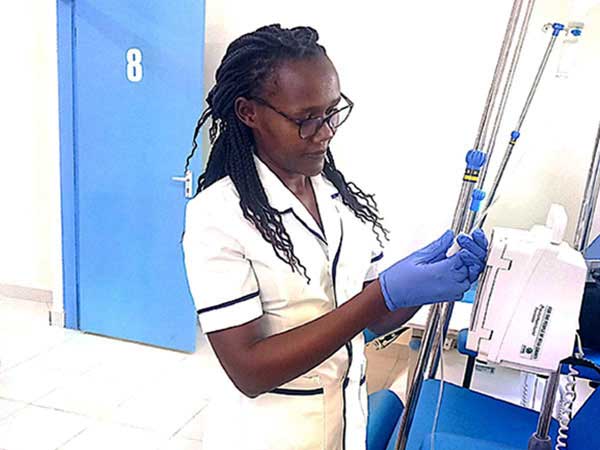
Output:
x=222 y=281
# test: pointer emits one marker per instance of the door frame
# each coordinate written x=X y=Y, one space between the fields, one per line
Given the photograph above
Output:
x=68 y=161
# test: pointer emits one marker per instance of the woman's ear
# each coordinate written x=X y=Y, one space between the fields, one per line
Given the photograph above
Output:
x=245 y=110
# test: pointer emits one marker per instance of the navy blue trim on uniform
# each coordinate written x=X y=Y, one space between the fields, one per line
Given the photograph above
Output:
x=336 y=259
x=317 y=391
x=349 y=350
x=347 y=381
x=315 y=233
x=229 y=303
x=377 y=258
x=301 y=392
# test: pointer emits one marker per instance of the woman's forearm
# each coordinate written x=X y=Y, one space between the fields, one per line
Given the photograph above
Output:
x=392 y=320
x=266 y=363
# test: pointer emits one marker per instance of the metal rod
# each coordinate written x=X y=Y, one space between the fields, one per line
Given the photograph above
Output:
x=466 y=190
x=445 y=316
x=536 y=81
x=590 y=198
x=415 y=387
x=547 y=405
x=509 y=149
x=489 y=150
x=462 y=207
x=498 y=72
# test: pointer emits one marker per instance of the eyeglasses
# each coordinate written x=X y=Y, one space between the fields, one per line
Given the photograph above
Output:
x=307 y=128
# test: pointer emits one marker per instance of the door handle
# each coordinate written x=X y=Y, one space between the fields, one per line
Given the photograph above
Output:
x=187 y=183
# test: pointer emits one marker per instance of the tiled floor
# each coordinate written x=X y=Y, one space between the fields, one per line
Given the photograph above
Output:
x=65 y=390
x=62 y=389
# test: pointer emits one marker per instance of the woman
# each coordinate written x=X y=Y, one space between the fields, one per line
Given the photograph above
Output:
x=281 y=254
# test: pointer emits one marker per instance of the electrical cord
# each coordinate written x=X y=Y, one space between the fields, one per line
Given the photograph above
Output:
x=567 y=401
x=525 y=391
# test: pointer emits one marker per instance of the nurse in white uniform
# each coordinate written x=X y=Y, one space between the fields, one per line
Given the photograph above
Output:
x=281 y=254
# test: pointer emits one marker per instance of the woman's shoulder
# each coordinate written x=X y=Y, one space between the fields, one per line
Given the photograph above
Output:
x=220 y=199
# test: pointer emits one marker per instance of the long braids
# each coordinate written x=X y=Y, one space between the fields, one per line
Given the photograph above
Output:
x=248 y=62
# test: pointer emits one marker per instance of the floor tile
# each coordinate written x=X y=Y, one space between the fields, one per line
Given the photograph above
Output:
x=194 y=429
x=109 y=436
x=182 y=444
x=24 y=384
x=34 y=428
x=8 y=407
x=95 y=393
x=165 y=406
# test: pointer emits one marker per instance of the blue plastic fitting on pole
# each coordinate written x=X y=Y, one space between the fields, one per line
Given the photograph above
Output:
x=515 y=135
x=475 y=159
x=576 y=32
x=558 y=27
x=477 y=197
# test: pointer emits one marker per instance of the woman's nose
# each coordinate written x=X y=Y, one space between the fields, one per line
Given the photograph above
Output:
x=324 y=133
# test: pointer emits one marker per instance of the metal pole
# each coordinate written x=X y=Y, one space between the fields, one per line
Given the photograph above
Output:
x=469 y=179
x=540 y=439
x=462 y=205
x=498 y=72
x=590 y=197
x=489 y=150
x=415 y=386
x=517 y=131
x=470 y=216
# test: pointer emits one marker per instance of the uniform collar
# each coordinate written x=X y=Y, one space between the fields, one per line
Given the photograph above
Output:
x=283 y=200
x=280 y=196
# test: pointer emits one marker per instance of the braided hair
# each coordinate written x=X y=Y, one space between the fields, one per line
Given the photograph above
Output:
x=248 y=62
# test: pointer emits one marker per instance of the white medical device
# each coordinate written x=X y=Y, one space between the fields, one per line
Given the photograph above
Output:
x=527 y=306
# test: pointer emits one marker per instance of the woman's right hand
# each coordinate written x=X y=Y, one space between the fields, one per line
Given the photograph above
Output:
x=427 y=276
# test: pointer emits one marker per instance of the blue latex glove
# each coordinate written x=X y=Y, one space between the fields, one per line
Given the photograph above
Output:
x=476 y=247
x=426 y=276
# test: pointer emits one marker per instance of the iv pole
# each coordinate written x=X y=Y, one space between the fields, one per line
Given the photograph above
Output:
x=475 y=161
x=464 y=216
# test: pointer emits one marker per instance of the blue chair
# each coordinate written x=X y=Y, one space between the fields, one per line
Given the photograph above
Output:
x=469 y=421
x=385 y=409
x=473 y=421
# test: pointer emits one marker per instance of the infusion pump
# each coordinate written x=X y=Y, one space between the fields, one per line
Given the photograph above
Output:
x=526 y=311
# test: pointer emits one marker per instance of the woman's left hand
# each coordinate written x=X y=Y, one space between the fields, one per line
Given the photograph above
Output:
x=477 y=250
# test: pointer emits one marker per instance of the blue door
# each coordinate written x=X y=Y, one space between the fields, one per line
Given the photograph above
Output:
x=136 y=71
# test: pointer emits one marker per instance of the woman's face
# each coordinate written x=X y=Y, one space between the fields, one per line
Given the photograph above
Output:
x=300 y=89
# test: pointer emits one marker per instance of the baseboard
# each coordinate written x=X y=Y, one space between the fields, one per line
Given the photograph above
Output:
x=26 y=293
x=56 y=318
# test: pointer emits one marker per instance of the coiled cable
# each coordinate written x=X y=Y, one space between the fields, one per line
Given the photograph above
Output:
x=525 y=392
x=567 y=401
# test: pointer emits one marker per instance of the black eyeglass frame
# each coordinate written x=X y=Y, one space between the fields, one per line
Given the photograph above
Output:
x=323 y=119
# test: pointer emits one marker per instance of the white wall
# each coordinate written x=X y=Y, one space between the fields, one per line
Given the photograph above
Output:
x=418 y=73
x=29 y=168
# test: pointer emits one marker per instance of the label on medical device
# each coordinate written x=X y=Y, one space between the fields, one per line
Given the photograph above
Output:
x=539 y=321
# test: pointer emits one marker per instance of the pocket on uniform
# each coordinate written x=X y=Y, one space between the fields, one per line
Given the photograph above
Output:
x=290 y=419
